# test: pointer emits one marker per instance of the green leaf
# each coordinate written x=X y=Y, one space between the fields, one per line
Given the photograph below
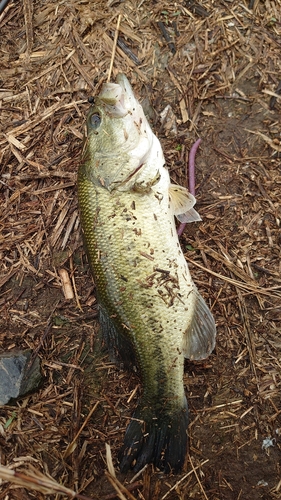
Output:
x=10 y=420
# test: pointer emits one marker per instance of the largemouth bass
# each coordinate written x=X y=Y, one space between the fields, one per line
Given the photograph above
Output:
x=150 y=310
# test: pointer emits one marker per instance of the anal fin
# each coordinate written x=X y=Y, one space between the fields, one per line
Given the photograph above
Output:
x=200 y=338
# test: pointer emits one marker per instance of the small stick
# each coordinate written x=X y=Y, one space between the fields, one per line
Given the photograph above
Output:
x=74 y=284
x=119 y=487
x=125 y=48
x=71 y=446
x=197 y=477
x=114 y=47
x=66 y=284
x=34 y=480
x=191 y=166
x=191 y=177
x=183 y=479
x=167 y=37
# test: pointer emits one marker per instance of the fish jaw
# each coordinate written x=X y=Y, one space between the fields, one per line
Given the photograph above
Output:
x=119 y=99
x=119 y=138
x=112 y=98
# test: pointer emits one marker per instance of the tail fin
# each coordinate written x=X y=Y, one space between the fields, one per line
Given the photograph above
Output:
x=159 y=439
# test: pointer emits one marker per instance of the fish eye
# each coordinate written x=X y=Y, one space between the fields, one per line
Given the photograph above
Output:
x=95 y=121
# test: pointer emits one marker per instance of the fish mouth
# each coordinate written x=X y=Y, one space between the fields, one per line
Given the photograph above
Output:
x=124 y=83
x=117 y=98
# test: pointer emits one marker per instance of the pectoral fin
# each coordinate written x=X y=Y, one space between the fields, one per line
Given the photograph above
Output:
x=182 y=204
x=199 y=339
x=189 y=216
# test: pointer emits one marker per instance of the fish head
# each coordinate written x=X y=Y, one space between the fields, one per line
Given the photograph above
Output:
x=119 y=138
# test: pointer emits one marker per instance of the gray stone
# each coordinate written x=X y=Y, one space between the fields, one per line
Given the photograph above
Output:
x=18 y=374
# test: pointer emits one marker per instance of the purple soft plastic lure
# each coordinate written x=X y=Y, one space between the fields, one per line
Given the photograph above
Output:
x=191 y=177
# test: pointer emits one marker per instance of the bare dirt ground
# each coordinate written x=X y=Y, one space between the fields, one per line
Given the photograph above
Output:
x=222 y=80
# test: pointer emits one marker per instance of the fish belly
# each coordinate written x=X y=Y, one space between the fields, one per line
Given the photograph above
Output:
x=146 y=297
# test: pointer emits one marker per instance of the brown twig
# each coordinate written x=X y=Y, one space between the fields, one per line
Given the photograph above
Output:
x=114 y=47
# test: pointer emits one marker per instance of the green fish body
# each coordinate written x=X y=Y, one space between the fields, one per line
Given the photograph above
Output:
x=150 y=310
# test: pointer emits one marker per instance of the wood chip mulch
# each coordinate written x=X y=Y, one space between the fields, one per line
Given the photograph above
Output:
x=218 y=68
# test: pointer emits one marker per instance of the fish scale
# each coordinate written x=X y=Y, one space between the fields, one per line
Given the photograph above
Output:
x=111 y=252
x=149 y=305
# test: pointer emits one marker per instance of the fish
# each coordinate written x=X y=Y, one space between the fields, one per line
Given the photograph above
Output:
x=150 y=311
